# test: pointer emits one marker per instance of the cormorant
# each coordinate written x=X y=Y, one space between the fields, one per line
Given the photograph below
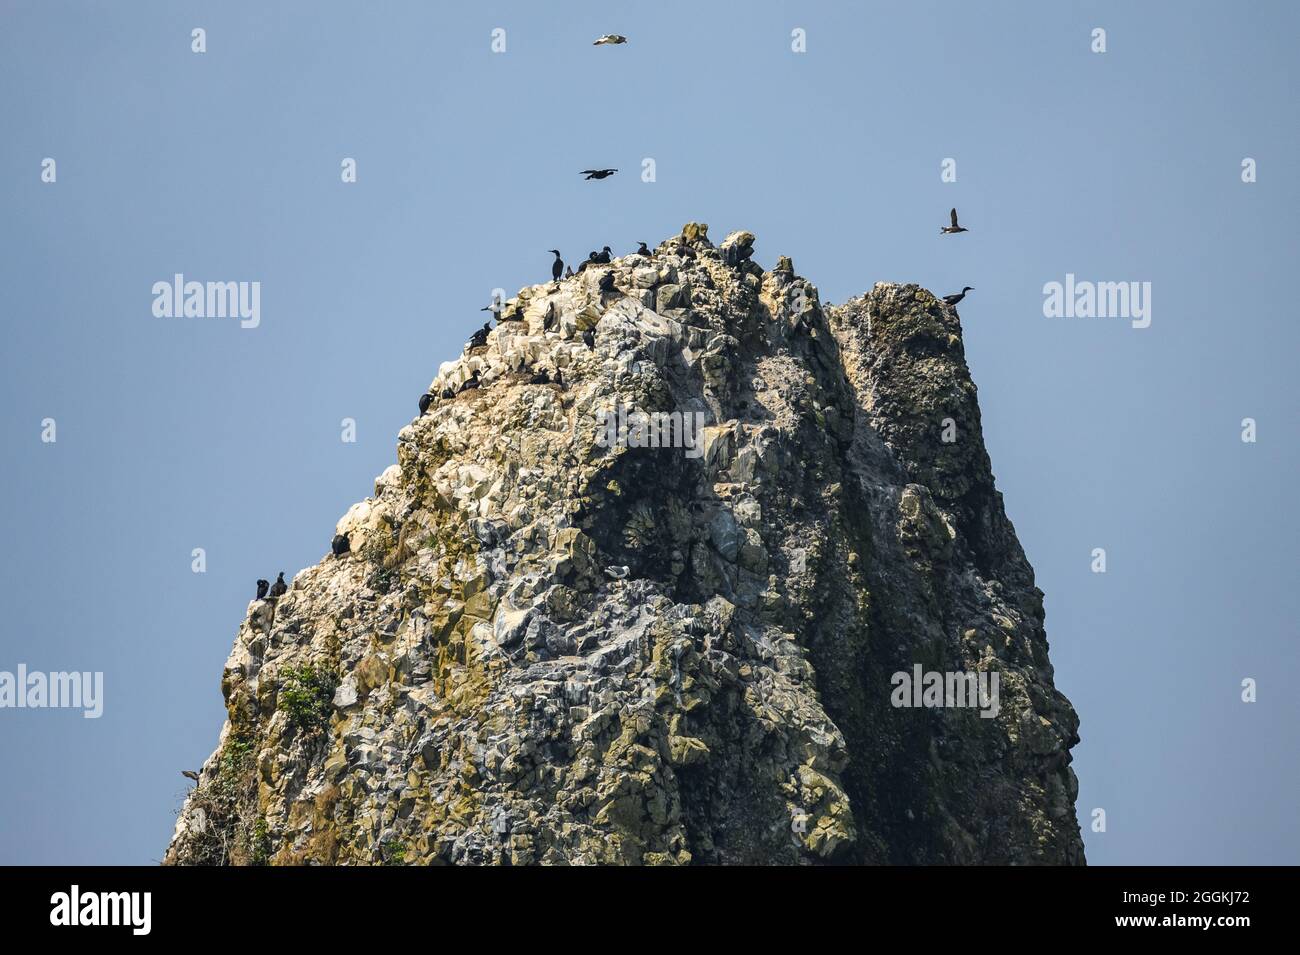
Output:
x=480 y=337
x=541 y=378
x=607 y=282
x=548 y=320
x=610 y=39
x=642 y=250
x=190 y=774
x=262 y=587
x=954 y=228
x=559 y=379
x=603 y=256
x=557 y=267
x=279 y=588
x=568 y=272
x=448 y=393
x=591 y=260
x=470 y=383
x=426 y=399
x=589 y=338
x=340 y=545
x=954 y=299
x=598 y=173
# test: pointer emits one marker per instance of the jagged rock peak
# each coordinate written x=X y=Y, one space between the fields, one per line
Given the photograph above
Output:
x=672 y=638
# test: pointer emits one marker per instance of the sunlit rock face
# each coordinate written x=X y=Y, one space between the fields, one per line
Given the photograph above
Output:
x=661 y=612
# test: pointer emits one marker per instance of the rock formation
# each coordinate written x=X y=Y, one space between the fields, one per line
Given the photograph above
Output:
x=547 y=647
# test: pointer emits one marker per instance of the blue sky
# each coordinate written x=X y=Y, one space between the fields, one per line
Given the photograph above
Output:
x=181 y=433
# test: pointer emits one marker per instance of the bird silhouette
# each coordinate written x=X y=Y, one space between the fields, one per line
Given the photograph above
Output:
x=262 y=587
x=610 y=39
x=954 y=299
x=598 y=173
x=954 y=228
x=557 y=267
x=190 y=774
x=340 y=545
x=279 y=588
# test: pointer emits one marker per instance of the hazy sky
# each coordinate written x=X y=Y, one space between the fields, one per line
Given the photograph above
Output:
x=174 y=434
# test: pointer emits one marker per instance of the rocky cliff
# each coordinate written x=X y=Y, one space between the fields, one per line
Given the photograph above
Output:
x=546 y=646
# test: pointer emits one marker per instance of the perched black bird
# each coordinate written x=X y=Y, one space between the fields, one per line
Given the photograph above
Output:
x=548 y=320
x=598 y=173
x=684 y=250
x=954 y=299
x=604 y=256
x=589 y=338
x=480 y=337
x=262 y=587
x=590 y=260
x=448 y=393
x=642 y=250
x=340 y=545
x=279 y=588
x=954 y=228
x=470 y=383
x=607 y=282
x=426 y=399
x=190 y=774
x=559 y=379
x=541 y=378
x=557 y=267
x=568 y=272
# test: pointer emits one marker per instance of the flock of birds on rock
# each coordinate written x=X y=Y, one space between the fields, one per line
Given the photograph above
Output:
x=733 y=256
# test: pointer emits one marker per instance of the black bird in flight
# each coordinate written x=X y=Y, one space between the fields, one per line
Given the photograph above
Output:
x=190 y=774
x=598 y=173
x=610 y=39
x=954 y=299
x=954 y=228
x=557 y=267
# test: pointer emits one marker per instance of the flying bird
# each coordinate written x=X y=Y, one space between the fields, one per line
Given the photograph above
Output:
x=954 y=228
x=954 y=299
x=557 y=267
x=279 y=588
x=598 y=173
x=610 y=39
x=190 y=774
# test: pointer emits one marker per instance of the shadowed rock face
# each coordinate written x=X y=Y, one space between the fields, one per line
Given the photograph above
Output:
x=545 y=650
